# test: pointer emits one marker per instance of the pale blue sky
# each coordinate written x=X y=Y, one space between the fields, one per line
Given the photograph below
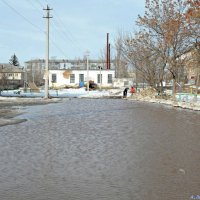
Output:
x=76 y=26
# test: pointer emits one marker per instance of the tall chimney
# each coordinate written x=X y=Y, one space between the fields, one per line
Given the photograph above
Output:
x=109 y=56
x=107 y=52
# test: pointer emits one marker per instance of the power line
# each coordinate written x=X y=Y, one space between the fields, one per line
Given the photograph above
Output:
x=53 y=23
x=33 y=5
x=51 y=39
x=61 y=24
x=54 y=44
x=64 y=33
x=39 y=3
x=32 y=24
x=17 y=12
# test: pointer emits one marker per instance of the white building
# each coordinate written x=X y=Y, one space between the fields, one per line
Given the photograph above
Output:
x=35 y=70
x=78 y=77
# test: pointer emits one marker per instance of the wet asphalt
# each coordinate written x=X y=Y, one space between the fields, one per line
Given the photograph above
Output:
x=101 y=149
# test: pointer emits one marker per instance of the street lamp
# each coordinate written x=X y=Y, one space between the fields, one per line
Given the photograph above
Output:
x=100 y=76
x=87 y=55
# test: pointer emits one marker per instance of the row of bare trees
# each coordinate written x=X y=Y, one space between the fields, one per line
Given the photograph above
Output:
x=168 y=40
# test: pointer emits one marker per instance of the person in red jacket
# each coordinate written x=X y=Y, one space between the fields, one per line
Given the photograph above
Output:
x=132 y=90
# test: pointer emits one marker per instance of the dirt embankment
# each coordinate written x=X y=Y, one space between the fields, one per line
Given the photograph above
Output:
x=150 y=95
x=8 y=110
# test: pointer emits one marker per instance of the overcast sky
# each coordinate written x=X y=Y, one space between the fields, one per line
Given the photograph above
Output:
x=76 y=26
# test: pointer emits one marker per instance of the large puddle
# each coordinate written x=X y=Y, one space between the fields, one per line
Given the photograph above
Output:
x=95 y=149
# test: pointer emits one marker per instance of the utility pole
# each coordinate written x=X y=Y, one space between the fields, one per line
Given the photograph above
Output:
x=100 y=78
x=46 y=76
x=87 y=55
x=25 y=78
x=100 y=68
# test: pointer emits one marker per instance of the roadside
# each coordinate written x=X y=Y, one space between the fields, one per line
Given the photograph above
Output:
x=150 y=95
x=9 y=110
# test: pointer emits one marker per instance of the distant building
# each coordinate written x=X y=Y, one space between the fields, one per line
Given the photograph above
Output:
x=35 y=71
x=78 y=77
x=191 y=74
x=66 y=64
x=123 y=82
x=11 y=77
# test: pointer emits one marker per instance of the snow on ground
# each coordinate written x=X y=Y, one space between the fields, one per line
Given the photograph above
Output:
x=78 y=93
x=184 y=100
x=185 y=105
x=4 y=122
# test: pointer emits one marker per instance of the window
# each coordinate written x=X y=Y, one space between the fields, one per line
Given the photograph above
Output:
x=81 y=78
x=54 y=78
x=109 y=78
x=99 y=80
x=72 y=78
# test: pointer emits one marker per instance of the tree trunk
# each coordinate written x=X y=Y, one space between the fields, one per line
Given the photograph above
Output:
x=161 y=88
x=197 y=85
x=174 y=89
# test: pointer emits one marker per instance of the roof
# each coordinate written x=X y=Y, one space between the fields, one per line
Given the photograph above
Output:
x=72 y=61
x=75 y=69
x=8 y=68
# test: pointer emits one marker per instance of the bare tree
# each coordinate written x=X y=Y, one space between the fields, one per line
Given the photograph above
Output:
x=164 y=20
x=193 y=20
x=120 y=58
x=146 y=56
x=3 y=81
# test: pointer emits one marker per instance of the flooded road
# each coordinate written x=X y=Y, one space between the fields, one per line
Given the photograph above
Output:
x=95 y=149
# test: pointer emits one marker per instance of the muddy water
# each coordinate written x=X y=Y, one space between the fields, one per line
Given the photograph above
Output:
x=101 y=149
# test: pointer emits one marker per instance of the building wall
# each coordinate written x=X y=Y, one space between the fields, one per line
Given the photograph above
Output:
x=11 y=80
x=13 y=76
x=123 y=82
x=63 y=77
x=35 y=69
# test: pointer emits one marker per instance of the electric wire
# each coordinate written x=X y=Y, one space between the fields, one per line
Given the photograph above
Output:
x=56 y=26
x=64 y=36
x=33 y=5
x=54 y=44
x=59 y=24
x=51 y=41
x=38 y=1
x=28 y=21
x=18 y=13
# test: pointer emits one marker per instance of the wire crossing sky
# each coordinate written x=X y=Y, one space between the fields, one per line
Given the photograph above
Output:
x=76 y=27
